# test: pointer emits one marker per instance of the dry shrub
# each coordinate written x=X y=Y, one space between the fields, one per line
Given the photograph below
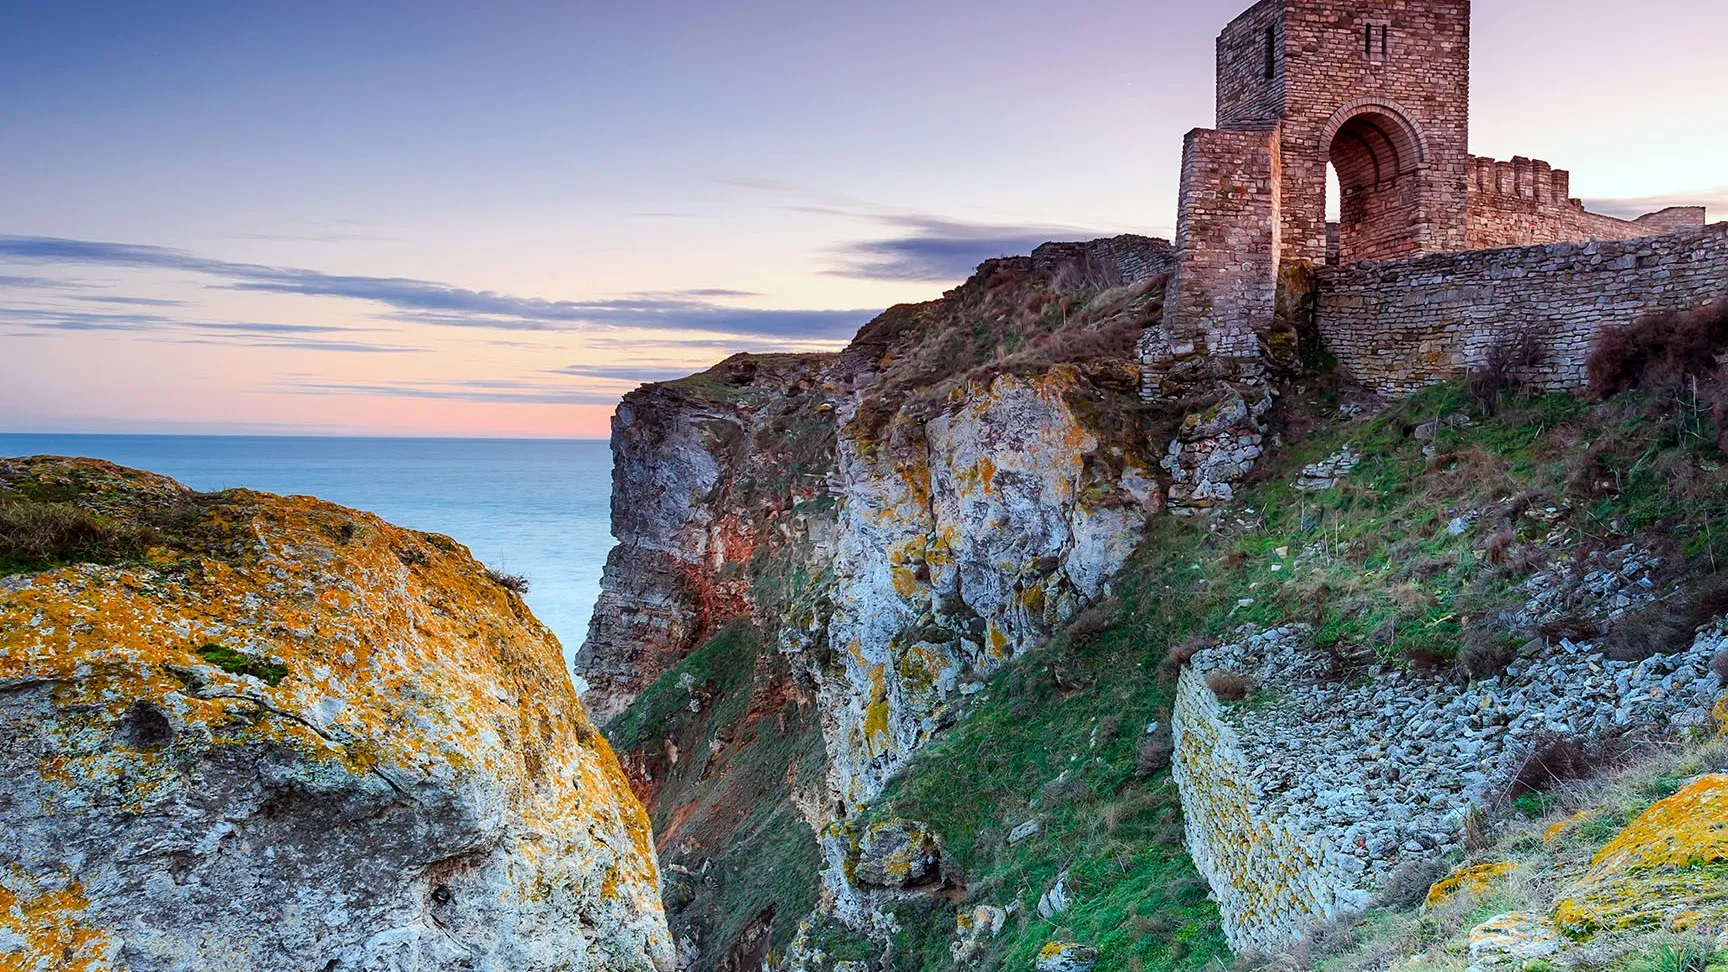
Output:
x=1472 y=471
x=1181 y=652
x=1154 y=753
x=1427 y=660
x=1229 y=686
x=510 y=582
x=1568 y=626
x=1505 y=368
x=1486 y=652
x=37 y=535
x=1555 y=760
x=1477 y=836
x=1089 y=624
x=1408 y=886
x=1498 y=545
x=1666 y=626
x=1660 y=351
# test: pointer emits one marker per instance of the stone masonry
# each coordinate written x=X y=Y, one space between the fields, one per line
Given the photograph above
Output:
x=1401 y=325
x=1380 y=91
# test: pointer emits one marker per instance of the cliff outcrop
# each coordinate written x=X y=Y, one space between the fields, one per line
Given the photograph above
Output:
x=943 y=692
x=241 y=731
x=896 y=522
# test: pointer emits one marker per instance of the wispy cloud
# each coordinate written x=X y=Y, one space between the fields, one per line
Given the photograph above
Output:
x=933 y=248
x=132 y=301
x=507 y=391
x=431 y=302
x=1715 y=202
x=628 y=372
x=254 y=334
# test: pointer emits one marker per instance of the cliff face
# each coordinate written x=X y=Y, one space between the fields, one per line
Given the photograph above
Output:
x=700 y=466
x=241 y=731
x=963 y=540
x=896 y=522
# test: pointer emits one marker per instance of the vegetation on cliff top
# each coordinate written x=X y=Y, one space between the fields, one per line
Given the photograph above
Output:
x=1417 y=555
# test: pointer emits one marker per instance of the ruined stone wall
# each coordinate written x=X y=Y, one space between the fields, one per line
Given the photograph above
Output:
x=1308 y=800
x=1225 y=279
x=1271 y=882
x=1399 y=326
x=1527 y=201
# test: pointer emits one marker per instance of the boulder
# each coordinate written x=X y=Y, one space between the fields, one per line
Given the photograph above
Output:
x=896 y=853
x=1065 y=957
x=256 y=732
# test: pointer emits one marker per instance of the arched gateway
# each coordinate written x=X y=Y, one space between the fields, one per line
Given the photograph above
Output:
x=1380 y=91
x=1377 y=88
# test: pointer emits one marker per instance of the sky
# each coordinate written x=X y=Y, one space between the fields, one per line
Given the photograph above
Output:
x=493 y=219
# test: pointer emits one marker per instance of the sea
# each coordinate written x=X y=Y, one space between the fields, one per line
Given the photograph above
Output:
x=535 y=507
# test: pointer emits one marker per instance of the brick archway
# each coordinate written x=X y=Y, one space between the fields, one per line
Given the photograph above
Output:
x=1380 y=157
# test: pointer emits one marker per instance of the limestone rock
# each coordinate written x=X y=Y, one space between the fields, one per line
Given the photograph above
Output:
x=896 y=853
x=1055 y=900
x=973 y=928
x=1510 y=940
x=1667 y=869
x=288 y=729
x=1065 y=957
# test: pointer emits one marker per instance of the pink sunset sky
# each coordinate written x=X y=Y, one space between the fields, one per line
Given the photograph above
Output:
x=494 y=219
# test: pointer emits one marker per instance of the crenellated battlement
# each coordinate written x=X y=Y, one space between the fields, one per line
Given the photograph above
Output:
x=1526 y=202
x=1521 y=178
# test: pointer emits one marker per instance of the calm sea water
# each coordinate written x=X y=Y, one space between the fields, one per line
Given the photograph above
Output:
x=536 y=507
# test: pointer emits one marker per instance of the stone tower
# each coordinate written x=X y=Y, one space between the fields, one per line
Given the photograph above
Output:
x=1378 y=88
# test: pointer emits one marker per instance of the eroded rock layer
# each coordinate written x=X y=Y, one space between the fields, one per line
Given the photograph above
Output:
x=897 y=521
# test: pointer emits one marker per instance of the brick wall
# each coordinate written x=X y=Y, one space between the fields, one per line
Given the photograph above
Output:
x=1527 y=201
x=1246 y=96
x=1410 y=84
x=1225 y=279
x=1399 y=326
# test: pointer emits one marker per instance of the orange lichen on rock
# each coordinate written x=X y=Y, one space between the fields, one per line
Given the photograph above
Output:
x=1472 y=880
x=1666 y=869
x=312 y=681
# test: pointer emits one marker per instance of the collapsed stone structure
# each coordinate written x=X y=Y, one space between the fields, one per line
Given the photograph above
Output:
x=1379 y=90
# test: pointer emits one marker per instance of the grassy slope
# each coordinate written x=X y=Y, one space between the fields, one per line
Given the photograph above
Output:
x=1372 y=563
x=727 y=799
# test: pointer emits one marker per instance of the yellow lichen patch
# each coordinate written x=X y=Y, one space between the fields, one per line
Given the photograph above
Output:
x=1559 y=828
x=998 y=642
x=1720 y=714
x=1472 y=880
x=877 y=738
x=362 y=656
x=904 y=580
x=1668 y=868
x=48 y=929
x=920 y=667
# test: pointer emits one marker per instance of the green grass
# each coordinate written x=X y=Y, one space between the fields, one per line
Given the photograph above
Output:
x=239 y=663
x=741 y=756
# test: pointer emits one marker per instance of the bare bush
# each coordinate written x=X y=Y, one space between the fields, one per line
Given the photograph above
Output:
x=1659 y=351
x=1229 y=686
x=1505 y=368
x=510 y=582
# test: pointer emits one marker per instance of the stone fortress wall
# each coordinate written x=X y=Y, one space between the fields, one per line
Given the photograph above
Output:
x=1527 y=201
x=1379 y=90
x=1399 y=326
